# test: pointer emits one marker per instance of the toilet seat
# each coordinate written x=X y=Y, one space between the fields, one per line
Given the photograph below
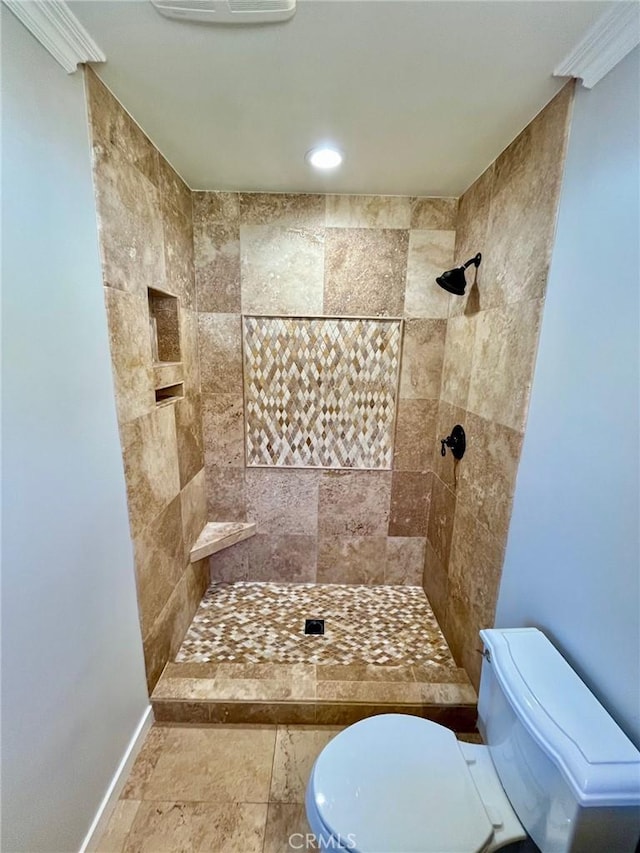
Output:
x=396 y=784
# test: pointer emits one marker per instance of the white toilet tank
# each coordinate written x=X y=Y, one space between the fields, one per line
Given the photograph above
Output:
x=571 y=774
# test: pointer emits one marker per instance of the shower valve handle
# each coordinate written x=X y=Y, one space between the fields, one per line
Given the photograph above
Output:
x=456 y=442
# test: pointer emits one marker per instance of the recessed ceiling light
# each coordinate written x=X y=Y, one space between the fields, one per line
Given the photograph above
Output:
x=324 y=157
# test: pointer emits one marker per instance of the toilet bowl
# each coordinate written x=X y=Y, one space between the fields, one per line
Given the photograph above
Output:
x=400 y=783
x=556 y=768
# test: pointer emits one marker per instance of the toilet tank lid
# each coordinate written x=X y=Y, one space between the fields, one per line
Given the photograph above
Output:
x=596 y=758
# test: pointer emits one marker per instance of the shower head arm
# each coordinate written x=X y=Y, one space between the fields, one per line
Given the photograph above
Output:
x=475 y=261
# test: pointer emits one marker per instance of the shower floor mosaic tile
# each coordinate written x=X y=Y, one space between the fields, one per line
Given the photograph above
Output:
x=247 y=622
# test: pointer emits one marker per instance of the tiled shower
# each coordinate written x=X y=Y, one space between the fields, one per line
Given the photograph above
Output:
x=288 y=360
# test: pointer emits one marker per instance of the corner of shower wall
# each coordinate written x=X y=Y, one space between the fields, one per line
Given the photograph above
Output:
x=145 y=229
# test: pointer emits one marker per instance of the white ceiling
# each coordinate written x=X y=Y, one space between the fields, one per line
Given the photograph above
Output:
x=421 y=95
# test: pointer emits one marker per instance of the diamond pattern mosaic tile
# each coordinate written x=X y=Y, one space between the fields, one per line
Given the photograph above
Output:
x=320 y=392
x=249 y=622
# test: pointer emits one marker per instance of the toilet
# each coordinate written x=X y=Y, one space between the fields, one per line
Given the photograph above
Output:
x=556 y=769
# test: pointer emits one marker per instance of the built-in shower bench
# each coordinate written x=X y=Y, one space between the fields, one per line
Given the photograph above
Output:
x=217 y=535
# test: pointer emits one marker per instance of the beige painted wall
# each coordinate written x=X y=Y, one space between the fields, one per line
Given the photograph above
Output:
x=509 y=214
x=145 y=230
x=334 y=255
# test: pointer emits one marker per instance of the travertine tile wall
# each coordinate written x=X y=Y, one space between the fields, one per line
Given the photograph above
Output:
x=315 y=255
x=145 y=228
x=509 y=215
x=467 y=360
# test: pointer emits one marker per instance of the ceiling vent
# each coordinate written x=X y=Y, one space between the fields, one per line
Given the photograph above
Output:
x=227 y=11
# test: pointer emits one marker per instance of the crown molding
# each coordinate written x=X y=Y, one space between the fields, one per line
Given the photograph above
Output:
x=58 y=30
x=608 y=41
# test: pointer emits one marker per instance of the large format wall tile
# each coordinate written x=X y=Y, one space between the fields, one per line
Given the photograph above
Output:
x=475 y=566
x=422 y=355
x=173 y=190
x=128 y=317
x=283 y=501
x=232 y=564
x=435 y=582
x=442 y=511
x=167 y=633
x=405 y=560
x=189 y=436
x=129 y=223
x=434 y=214
x=193 y=503
x=226 y=497
x=112 y=126
x=189 y=350
x=217 y=269
x=351 y=559
x=299 y=210
x=281 y=269
x=365 y=271
x=503 y=359
x=223 y=429
x=430 y=254
x=461 y=627
x=283 y=558
x=415 y=435
x=409 y=503
x=354 y=503
x=487 y=477
x=220 y=342
x=160 y=561
x=215 y=207
x=524 y=204
x=458 y=359
x=178 y=255
x=149 y=448
x=216 y=239
x=368 y=211
x=472 y=227
x=472 y=222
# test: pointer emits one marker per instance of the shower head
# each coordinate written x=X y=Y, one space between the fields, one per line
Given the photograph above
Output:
x=453 y=280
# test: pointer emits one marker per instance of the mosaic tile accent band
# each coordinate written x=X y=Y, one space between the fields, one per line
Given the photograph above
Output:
x=250 y=622
x=320 y=392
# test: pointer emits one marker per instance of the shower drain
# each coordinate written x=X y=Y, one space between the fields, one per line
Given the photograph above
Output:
x=314 y=626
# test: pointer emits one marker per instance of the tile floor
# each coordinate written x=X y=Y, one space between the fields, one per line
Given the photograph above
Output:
x=248 y=622
x=246 y=658
x=219 y=789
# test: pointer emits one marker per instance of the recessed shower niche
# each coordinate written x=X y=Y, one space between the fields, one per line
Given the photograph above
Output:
x=164 y=329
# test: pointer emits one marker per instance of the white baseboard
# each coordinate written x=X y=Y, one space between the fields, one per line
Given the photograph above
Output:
x=110 y=799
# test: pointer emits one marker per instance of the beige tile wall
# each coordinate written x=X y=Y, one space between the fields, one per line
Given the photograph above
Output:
x=509 y=215
x=145 y=229
x=467 y=360
x=314 y=255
